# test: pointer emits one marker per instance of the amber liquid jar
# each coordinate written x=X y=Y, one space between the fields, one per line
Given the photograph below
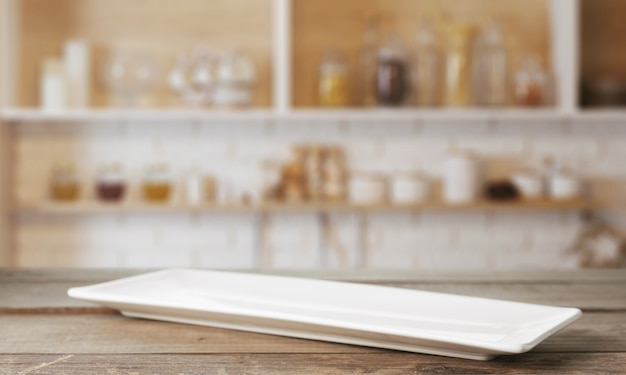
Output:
x=157 y=187
x=64 y=185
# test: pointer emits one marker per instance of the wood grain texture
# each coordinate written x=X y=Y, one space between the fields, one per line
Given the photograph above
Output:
x=389 y=363
x=163 y=28
x=61 y=333
x=54 y=335
x=322 y=24
x=602 y=39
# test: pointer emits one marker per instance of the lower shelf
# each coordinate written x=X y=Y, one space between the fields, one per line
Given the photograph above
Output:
x=79 y=208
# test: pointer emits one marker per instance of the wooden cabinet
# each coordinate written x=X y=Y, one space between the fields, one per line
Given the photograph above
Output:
x=285 y=38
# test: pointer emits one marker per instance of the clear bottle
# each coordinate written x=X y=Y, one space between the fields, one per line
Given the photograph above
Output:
x=532 y=88
x=426 y=72
x=368 y=57
x=458 y=91
x=334 y=81
x=392 y=73
x=490 y=68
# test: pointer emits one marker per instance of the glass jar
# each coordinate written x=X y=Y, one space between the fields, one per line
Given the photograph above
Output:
x=368 y=57
x=490 y=68
x=425 y=70
x=333 y=81
x=458 y=91
x=235 y=79
x=110 y=184
x=392 y=73
x=64 y=185
x=157 y=186
x=531 y=84
x=334 y=175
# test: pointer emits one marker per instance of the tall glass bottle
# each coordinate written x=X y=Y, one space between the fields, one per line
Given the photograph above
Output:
x=425 y=69
x=392 y=73
x=366 y=82
x=490 y=68
x=458 y=92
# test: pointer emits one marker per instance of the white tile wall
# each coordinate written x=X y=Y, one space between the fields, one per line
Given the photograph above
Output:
x=233 y=153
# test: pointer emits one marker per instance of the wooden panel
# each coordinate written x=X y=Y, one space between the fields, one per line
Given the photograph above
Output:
x=602 y=38
x=56 y=333
x=390 y=363
x=97 y=341
x=6 y=230
x=320 y=24
x=161 y=27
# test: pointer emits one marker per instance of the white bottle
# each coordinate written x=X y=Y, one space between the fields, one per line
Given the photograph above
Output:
x=52 y=90
x=194 y=191
x=77 y=68
x=462 y=179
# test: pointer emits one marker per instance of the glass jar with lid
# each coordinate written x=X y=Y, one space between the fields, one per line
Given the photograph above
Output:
x=392 y=73
x=490 y=68
x=110 y=183
x=235 y=76
x=157 y=185
x=64 y=185
x=334 y=86
x=532 y=87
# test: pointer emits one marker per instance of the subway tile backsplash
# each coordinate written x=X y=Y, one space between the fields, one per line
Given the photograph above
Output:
x=233 y=152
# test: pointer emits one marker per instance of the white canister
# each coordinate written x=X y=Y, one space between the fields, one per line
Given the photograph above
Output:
x=563 y=185
x=409 y=188
x=529 y=184
x=367 y=188
x=462 y=178
x=52 y=91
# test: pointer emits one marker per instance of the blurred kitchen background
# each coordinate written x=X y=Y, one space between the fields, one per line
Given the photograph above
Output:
x=414 y=134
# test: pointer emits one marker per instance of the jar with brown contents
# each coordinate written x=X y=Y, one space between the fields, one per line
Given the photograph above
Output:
x=392 y=76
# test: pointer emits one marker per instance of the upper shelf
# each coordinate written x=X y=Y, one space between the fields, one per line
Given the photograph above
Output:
x=22 y=115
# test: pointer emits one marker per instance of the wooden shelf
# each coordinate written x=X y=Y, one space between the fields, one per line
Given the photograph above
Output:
x=82 y=208
x=23 y=115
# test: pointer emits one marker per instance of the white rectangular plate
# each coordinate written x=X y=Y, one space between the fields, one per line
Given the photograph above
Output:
x=393 y=318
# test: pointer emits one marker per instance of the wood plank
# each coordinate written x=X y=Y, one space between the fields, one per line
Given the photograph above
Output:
x=389 y=363
x=113 y=333
x=45 y=290
x=90 y=275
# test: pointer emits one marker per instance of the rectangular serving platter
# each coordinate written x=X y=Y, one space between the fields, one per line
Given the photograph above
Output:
x=359 y=314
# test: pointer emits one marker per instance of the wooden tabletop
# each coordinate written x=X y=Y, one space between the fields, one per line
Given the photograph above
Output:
x=42 y=331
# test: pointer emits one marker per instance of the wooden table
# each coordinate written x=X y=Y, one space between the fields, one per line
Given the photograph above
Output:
x=42 y=331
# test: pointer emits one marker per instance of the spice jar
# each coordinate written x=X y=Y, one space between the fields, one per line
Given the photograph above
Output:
x=64 y=185
x=157 y=186
x=333 y=81
x=392 y=86
x=110 y=185
x=531 y=84
x=293 y=184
